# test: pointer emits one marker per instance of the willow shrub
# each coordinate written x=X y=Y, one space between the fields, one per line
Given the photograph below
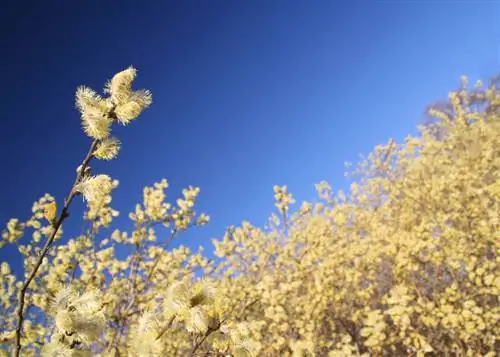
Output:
x=404 y=264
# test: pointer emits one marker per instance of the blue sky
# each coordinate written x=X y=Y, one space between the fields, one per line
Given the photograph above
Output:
x=247 y=94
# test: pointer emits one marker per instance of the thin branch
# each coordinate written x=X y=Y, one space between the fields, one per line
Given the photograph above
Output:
x=165 y=329
x=64 y=214
x=197 y=345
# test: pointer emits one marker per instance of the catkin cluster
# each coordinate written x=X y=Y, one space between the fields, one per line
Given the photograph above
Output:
x=406 y=263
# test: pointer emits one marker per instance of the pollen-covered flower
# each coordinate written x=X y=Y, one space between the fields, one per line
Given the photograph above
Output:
x=143 y=339
x=147 y=322
x=177 y=297
x=78 y=315
x=107 y=149
x=94 y=111
x=95 y=188
x=202 y=219
x=203 y=293
x=61 y=300
x=133 y=107
x=128 y=103
x=120 y=86
x=197 y=320
x=55 y=348
x=4 y=268
x=283 y=198
x=247 y=348
x=50 y=211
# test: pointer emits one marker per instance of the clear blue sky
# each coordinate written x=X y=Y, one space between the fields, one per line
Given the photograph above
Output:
x=247 y=94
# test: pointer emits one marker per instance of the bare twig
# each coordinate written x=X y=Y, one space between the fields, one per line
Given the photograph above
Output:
x=197 y=344
x=166 y=327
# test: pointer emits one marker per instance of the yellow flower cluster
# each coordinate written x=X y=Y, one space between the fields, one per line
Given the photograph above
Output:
x=122 y=105
x=405 y=264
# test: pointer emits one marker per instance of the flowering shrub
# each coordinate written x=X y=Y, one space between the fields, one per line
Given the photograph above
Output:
x=406 y=264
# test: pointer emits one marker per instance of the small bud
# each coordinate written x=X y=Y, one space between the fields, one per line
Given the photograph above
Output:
x=50 y=212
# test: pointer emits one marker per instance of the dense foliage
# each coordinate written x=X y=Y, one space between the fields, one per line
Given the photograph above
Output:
x=405 y=264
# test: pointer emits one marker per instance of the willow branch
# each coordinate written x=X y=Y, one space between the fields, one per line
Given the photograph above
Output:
x=64 y=214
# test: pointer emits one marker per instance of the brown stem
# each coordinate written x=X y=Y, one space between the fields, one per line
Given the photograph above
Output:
x=197 y=345
x=64 y=214
x=165 y=328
